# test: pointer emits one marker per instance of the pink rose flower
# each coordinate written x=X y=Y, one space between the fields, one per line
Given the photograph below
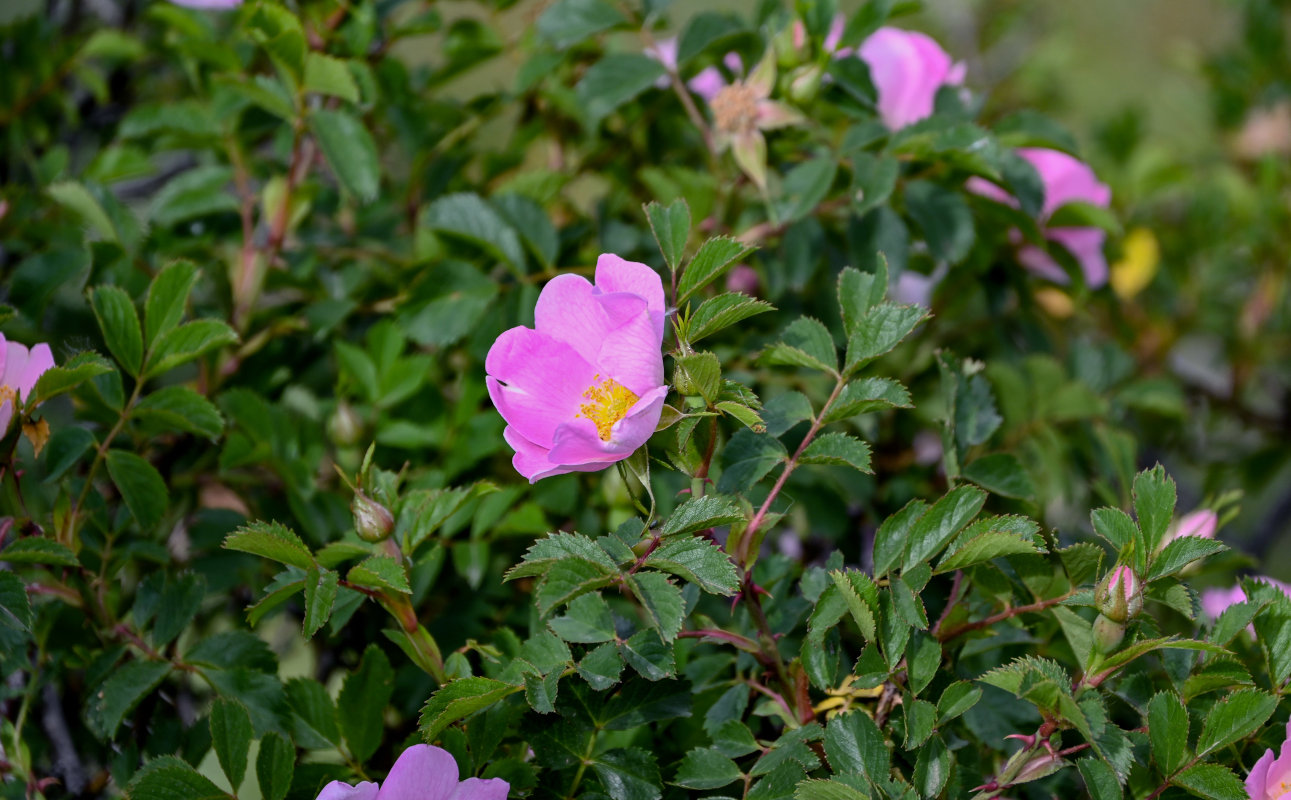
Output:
x=1270 y=778
x=907 y=68
x=208 y=4
x=585 y=389
x=20 y=368
x=422 y=772
x=1201 y=522
x=1066 y=179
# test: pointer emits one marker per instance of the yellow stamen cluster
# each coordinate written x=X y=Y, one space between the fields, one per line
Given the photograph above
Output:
x=735 y=109
x=608 y=402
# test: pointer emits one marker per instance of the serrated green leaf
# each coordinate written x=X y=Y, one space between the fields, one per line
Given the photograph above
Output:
x=1212 y=781
x=270 y=540
x=119 y=324
x=1168 y=731
x=1002 y=474
x=556 y=547
x=827 y=790
x=320 y=594
x=715 y=256
x=649 y=655
x=671 y=227
x=121 y=692
x=747 y=458
x=701 y=513
x=880 y=330
x=587 y=620
x=275 y=766
x=1234 y=718
x=187 y=342
x=805 y=343
x=858 y=292
x=350 y=151
x=722 y=311
x=313 y=706
x=1100 y=779
x=141 y=486
x=862 y=599
x=231 y=734
x=602 y=666
x=699 y=561
x=629 y=774
x=36 y=550
x=956 y=699
x=380 y=572
x=893 y=536
x=567 y=579
x=61 y=379
x=865 y=396
x=182 y=409
x=661 y=600
x=76 y=198
x=984 y=547
x=1181 y=552
x=840 y=449
x=1154 y=499
x=330 y=76
x=458 y=699
x=854 y=744
x=169 y=778
x=705 y=768
x=940 y=523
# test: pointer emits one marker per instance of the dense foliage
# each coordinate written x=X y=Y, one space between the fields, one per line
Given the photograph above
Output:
x=901 y=531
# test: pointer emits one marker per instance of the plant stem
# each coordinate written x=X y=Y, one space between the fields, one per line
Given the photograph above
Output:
x=98 y=459
x=959 y=630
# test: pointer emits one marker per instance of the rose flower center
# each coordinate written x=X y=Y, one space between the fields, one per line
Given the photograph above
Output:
x=608 y=402
x=735 y=108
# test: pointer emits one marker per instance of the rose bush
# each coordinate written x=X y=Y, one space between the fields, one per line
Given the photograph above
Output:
x=595 y=399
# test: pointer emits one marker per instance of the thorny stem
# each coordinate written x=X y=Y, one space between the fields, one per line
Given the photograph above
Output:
x=774 y=696
x=959 y=630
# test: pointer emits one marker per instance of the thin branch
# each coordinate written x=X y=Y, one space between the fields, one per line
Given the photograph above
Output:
x=967 y=627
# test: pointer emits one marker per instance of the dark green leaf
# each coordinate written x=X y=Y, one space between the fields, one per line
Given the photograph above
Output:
x=141 y=486
x=629 y=774
x=273 y=541
x=941 y=522
x=805 y=343
x=349 y=150
x=187 y=342
x=866 y=395
x=699 y=561
x=35 y=550
x=180 y=408
x=568 y=22
x=1234 y=718
x=1213 y=782
x=613 y=81
x=671 y=226
x=944 y=217
x=362 y=702
x=701 y=513
x=747 y=458
x=467 y=217
x=1181 y=552
x=858 y=292
x=120 y=325
x=649 y=655
x=1100 y=779
x=169 y=778
x=1168 y=731
x=956 y=699
x=1154 y=498
x=705 y=768
x=840 y=449
x=275 y=766
x=320 y=594
x=58 y=380
x=380 y=572
x=854 y=744
x=231 y=736
x=878 y=331
x=121 y=692
x=661 y=600
x=458 y=699
x=715 y=256
x=722 y=311
x=330 y=76
x=1001 y=473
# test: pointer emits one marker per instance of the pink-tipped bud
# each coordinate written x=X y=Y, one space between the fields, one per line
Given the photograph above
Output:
x=371 y=519
x=1120 y=596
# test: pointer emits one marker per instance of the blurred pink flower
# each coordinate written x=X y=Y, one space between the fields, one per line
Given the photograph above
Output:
x=1215 y=601
x=1201 y=523
x=743 y=278
x=585 y=389
x=707 y=82
x=1066 y=179
x=422 y=772
x=20 y=368
x=1270 y=778
x=907 y=68
x=209 y=4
